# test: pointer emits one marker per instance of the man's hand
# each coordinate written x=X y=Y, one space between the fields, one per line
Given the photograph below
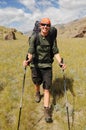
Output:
x=25 y=63
x=28 y=60
x=62 y=64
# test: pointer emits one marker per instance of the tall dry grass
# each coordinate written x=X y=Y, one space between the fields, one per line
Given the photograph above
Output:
x=12 y=54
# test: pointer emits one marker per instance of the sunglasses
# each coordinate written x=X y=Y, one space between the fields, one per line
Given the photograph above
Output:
x=44 y=24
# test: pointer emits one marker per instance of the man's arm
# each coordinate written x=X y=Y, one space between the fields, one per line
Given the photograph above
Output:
x=28 y=59
x=59 y=59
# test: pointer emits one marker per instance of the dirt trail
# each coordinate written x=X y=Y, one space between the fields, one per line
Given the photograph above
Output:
x=39 y=121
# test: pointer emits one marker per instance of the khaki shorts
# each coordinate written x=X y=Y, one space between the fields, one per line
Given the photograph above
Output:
x=42 y=76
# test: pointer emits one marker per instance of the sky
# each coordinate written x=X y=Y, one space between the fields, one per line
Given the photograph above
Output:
x=22 y=14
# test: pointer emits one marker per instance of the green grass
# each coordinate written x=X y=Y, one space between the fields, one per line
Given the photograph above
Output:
x=12 y=54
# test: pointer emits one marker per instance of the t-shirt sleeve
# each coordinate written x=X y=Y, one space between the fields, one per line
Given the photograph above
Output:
x=31 y=48
x=55 y=47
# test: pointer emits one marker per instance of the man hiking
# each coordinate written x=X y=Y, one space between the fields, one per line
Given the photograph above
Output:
x=40 y=58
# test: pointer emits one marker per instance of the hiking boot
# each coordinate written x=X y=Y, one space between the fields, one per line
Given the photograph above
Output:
x=38 y=97
x=48 y=115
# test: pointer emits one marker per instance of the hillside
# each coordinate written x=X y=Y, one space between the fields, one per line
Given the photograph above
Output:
x=10 y=33
x=76 y=28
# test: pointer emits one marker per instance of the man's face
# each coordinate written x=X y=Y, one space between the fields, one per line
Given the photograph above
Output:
x=45 y=28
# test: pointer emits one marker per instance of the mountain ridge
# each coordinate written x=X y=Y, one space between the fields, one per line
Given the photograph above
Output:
x=75 y=28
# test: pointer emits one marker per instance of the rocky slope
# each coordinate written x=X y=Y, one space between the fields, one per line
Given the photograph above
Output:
x=76 y=28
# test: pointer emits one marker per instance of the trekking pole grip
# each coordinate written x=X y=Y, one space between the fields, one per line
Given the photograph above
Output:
x=60 y=64
x=27 y=59
x=62 y=61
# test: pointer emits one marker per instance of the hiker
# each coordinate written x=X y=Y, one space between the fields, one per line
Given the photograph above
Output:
x=41 y=64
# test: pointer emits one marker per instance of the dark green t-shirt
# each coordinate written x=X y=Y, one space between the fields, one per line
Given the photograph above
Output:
x=42 y=49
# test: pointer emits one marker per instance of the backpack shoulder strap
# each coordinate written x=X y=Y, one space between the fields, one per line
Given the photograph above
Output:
x=53 y=33
x=36 y=40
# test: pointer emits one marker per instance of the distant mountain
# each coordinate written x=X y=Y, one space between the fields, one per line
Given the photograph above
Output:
x=76 y=28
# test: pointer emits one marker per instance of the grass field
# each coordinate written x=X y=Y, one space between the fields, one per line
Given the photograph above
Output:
x=12 y=54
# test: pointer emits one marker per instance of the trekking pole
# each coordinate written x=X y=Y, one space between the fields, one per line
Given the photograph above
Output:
x=22 y=93
x=65 y=90
x=21 y=99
